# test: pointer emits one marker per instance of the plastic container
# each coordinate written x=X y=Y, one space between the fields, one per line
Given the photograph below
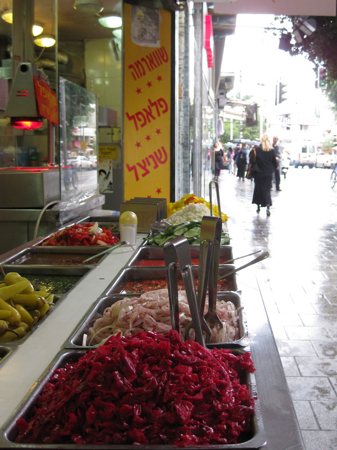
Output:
x=128 y=227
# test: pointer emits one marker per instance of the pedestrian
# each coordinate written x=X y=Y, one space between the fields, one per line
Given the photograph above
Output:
x=236 y=151
x=252 y=148
x=278 y=159
x=218 y=160
x=241 y=162
x=267 y=164
x=230 y=156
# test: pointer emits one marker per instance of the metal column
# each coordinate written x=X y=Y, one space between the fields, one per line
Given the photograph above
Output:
x=197 y=138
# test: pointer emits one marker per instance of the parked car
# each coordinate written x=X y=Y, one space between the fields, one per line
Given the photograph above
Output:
x=93 y=159
x=306 y=156
x=325 y=160
x=81 y=162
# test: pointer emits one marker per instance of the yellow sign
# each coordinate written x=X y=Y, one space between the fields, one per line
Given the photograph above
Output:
x=147 y=102
x=108 y=152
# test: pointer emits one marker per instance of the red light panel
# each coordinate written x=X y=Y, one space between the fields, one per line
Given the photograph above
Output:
x=27 y=124
x=22 y=93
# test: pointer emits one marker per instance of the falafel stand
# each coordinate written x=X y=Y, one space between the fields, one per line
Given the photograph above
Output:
x=22 y=370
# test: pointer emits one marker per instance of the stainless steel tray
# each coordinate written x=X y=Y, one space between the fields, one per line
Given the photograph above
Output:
x=62 y=279
x=148 y=253
x=55 y=273
x=13 y=344
x=8 y=433
x=106 y=223
x=76 y=340
x=5 y=352
x=61 y=256
x=134 y=274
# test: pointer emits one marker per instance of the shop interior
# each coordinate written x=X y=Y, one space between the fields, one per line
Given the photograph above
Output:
x=60 y=162
x=89 y=72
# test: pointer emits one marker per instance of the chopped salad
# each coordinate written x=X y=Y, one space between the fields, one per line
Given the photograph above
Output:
x=81 y=234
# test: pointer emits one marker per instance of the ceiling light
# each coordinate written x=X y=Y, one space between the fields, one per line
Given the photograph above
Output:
x=88 y=6
x=117 y=33
x=44 y=41
x=7 y=16
x=37 y=29
x=110 y=21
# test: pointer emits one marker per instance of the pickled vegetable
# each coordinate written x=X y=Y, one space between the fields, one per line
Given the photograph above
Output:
x=20 y=306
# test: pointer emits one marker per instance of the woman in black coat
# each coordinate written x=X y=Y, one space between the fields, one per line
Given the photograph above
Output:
x=267 y=164
x=218 y=160
x=241 y=162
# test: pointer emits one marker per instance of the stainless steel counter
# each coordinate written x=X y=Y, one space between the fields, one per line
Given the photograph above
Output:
x=21 y=370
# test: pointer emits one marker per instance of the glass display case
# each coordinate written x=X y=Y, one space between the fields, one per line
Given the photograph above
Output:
x=78 y=143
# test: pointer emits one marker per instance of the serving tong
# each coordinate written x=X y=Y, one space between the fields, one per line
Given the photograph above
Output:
x=177 y=252
x=211 y=228
x=108 y=250
x=216 y=185
x=259 y=258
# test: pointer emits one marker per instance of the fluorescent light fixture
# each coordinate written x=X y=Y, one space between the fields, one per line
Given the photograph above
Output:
x=88 y=6
x=7 y=16
x=44 y=41
x=117 y=33
x=110 y=21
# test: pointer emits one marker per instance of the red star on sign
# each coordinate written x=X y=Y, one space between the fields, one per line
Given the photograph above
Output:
x=149 y=84
x=149 y=196
x=148 y=138
x=159 y=78
x=158 y=191
x=158 y=131
x=139 y=91
x=138 y=144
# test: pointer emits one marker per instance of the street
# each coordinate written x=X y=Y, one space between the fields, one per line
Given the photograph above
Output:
x=298 y=283
x=87 y=182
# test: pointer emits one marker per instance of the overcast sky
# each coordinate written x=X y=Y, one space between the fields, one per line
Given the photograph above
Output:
x=255 y=58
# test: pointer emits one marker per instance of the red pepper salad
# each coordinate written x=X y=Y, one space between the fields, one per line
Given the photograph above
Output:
x=81 y=234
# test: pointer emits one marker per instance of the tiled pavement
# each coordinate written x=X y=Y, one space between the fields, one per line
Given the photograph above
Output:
x=299 y=286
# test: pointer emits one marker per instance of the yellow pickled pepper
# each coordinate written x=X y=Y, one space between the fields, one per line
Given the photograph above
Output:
x=8 y=291
x=14 y=277
x=15 y=318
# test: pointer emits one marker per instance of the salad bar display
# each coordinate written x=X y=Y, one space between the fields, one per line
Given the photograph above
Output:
x=55 y=256
x=138 y=280
x=148 y=256
x=145 y=389
x=27 y=297
x=190 y=230
x=21 y=306
x=109 y=371
x=219 y=376
x=151 y=312
x=81 y=234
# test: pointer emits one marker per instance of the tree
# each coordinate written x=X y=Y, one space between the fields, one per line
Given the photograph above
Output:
x=239 y=129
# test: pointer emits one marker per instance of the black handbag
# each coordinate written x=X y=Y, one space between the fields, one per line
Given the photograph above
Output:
x=224 y=165
x=253 y=168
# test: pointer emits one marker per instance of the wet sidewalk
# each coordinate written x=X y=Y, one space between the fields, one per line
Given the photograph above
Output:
x=298 y=283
